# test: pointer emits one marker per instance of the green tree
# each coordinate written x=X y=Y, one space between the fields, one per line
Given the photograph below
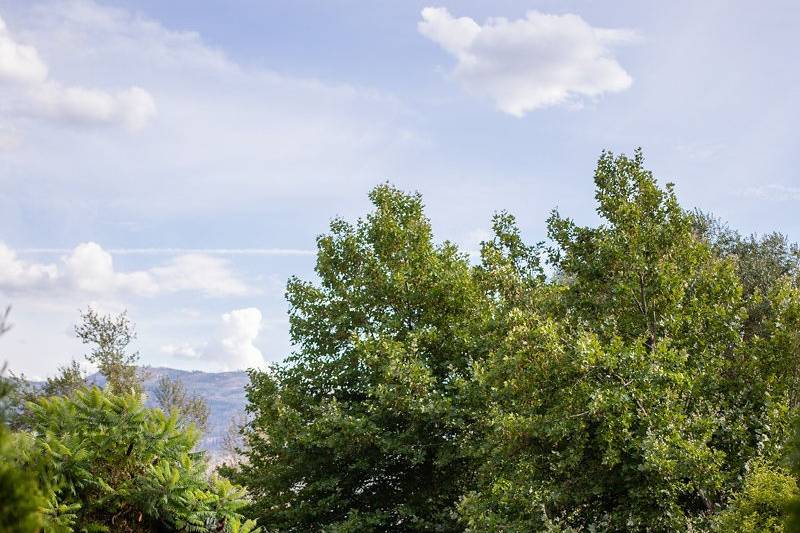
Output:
x=107 y=463
x=110 y=337
x=171 y=396
x=361 y=428
x=762 y=263
x=66 y=382
x=20 y=497
x=626 y=397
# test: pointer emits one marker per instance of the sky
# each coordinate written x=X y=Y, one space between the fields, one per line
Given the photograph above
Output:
x=178 y=159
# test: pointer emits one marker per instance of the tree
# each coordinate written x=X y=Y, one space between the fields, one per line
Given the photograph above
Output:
x=171 y=396
x=360 y=430
x=66 y=382
x=110 y=337
x=107 y=463
x=20 y=497
x=627 y=397
x=762 y=263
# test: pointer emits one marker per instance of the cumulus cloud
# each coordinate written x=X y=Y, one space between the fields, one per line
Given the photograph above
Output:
x=88 y=268
x=240 y=329
x=531 y=63
x=18 y=274
x=233 y=348
x=23 y=71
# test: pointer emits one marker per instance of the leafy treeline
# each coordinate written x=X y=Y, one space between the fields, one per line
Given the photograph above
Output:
x=86 y=459
x=639 y=375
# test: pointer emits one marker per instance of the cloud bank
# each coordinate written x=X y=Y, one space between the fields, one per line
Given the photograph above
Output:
x=531 y=63
x=89 y=269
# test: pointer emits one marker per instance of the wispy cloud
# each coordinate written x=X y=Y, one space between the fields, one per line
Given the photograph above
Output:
x=772 y=191
x=179 y=251
x=29 y=90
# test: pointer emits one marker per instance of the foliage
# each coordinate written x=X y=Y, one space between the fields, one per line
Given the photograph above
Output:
x=20 y=497
x=171 y=395
x=646 y=385
x=107 y=463
x=762 y=263
x=68 y=380
x=636 y=375
x=110 y=337
x=357 y=431
x=762 y=504
x=637 y=401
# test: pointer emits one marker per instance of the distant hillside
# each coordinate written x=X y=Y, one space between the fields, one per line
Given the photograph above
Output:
x=222 y=391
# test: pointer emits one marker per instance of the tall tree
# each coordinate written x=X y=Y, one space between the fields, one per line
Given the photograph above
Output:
x=110 y=336
x=360 y=429
x=627 y=396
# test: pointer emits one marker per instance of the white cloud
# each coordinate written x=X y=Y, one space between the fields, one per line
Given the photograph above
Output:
x=18 y=274
x=772 y=191
x=240 y=328
x=193 y=271
x=133 y=107
x=31 y=91
x=279 y=252
x=19 y=63
x=182 y=351
x=228 y=137
x=89 y=269
x=232 y=349
x=526 y=64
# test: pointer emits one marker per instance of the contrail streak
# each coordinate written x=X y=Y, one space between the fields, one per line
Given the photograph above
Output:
x=180 y=251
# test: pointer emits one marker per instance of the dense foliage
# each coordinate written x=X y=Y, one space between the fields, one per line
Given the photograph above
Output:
x=90 y=459
x=107 y=463
x=642 y=374
x=647 y=383
x=356 y=432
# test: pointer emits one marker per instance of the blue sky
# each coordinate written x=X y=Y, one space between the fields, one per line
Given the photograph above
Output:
x=177 y=159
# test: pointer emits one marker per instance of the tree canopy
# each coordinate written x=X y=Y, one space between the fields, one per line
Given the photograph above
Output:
x=637 y=375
